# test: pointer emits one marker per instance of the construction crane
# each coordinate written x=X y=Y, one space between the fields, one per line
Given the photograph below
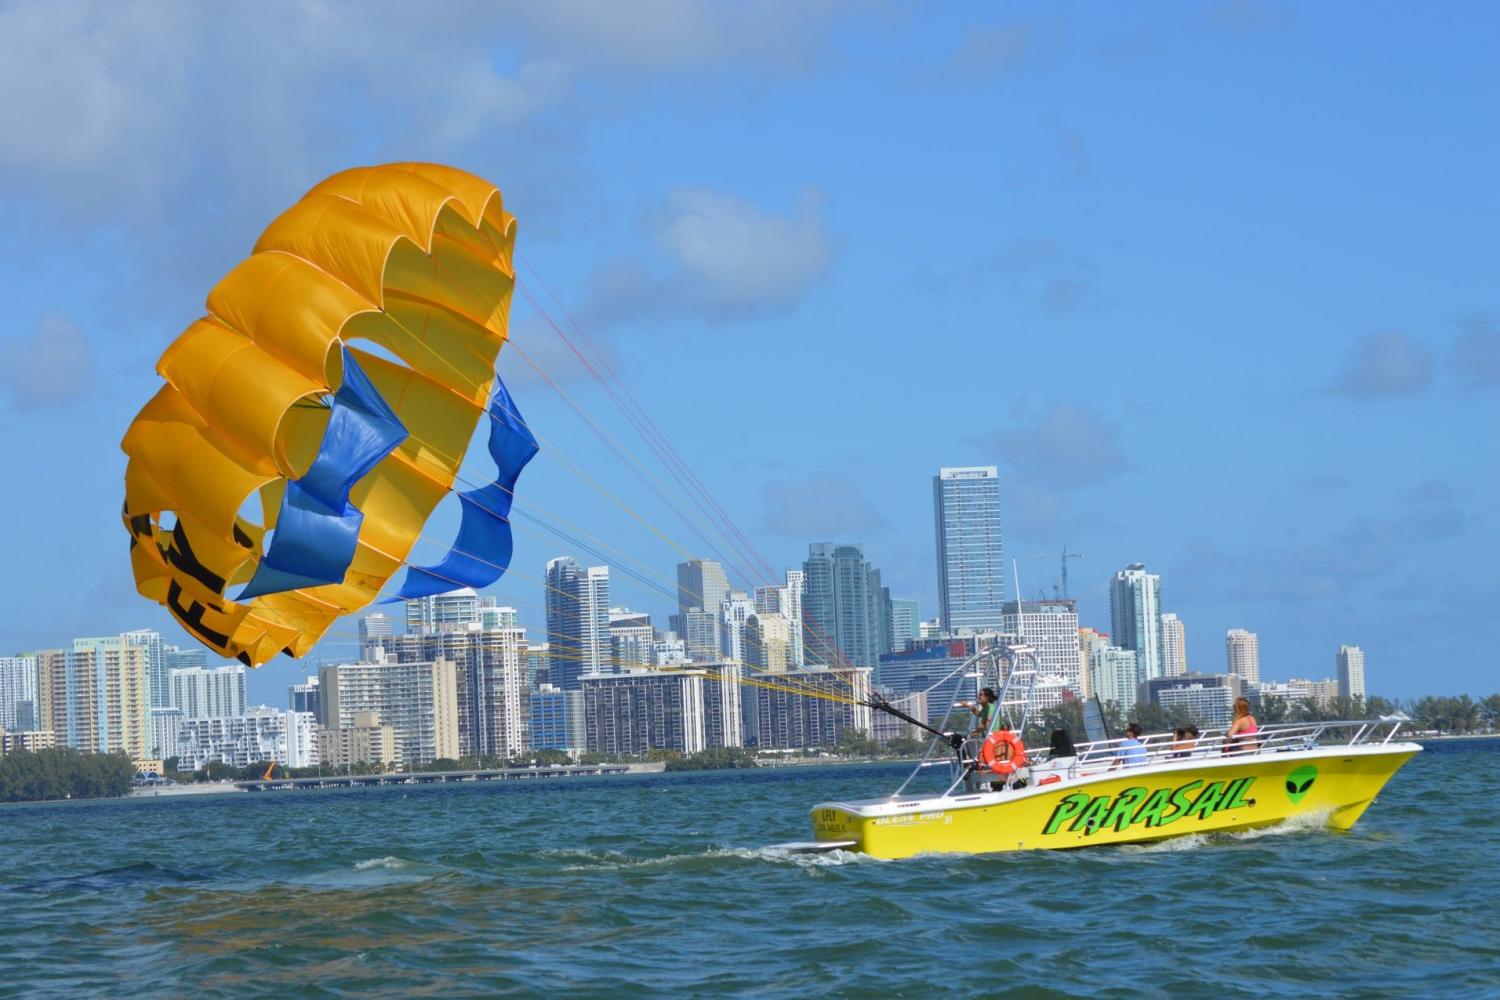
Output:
x=1059 y=585
x=1066 y=555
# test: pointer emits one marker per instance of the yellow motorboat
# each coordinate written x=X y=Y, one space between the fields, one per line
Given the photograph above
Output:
x=1091 y=797
x=1110 y=791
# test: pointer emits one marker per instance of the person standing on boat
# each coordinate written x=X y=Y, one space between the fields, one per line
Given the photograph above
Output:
x=1241 y=735
x=983 y=711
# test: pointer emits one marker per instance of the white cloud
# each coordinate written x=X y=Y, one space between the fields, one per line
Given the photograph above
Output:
x=49 y=368
x=721 y=258
x=1064 y=447
x=820 y=507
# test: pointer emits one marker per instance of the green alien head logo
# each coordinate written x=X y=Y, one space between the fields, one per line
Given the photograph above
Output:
x=1300 y=781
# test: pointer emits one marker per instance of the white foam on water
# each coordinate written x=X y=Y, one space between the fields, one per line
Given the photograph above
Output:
x=1303 y=823
x=610 y=861
x=385 y=862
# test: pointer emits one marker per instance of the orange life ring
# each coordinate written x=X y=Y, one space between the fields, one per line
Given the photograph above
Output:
x=1003 y=753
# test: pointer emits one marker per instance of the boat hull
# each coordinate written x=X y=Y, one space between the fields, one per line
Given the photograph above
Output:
x=1195 y=796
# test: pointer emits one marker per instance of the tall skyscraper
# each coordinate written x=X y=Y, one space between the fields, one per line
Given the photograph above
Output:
x=904 y=623
x=700 y=632
x=970 y=563
x=701 y=583
x=1173 y=646
x=767 y=641
x=1243 y=650
x=1050 y=628
x=843 y=608
x=577 y=621
x=1135 y=617
x=1351 y=660
x=304 y=697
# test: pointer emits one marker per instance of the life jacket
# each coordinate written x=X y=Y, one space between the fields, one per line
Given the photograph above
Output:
x=1003 y=753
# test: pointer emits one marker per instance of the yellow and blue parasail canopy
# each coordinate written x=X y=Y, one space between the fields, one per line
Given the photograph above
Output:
x=313 y=419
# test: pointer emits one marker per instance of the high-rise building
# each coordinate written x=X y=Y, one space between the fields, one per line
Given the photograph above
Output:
x=490 y=679
x=1207 y=698
x=638 y=711
x=493 y=614
x=700 y=631
x=904 y=624
x=668 y=650
x=209 y=693
x=1173 y=646
x=1112 y=672
x=630 y=638
x=1051 y=629
x=158 y=681
x=577 y=621
x=304 y=697
x=18 y=693
x=418 y=700
x=767 y=642
x=376 y=629
x=450 y=612
x=927 y=666
x=970 y=563
x=736 y=609
x=557 y=720
x=95 y=696
x=1243 y=652
x=1351 y=667
x=1135 y=617
x=843 y=608
x=701 y=583
x=796 y=585
x=177 y=658
x=932 y=628
x=788 y=719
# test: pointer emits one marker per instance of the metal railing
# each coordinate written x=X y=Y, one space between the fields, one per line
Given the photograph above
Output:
x=1101 y=756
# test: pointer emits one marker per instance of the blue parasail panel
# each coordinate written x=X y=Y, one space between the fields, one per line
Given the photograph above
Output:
x=317 y=530
x=482 y=552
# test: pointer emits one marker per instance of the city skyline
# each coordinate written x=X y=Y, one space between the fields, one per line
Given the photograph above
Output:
x=811 y=377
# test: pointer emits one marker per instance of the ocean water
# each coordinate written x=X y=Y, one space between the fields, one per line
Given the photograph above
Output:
x=664 y=884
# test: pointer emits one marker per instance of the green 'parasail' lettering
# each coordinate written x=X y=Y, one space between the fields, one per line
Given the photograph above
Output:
x=1234 y=795
x=1124 y=805
x=1150 y=813
x=1207 y=801
x=1066 y=810
x=1093 y=815
x=1180 y=801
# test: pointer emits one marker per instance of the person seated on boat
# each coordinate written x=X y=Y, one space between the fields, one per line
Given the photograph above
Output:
x=1241 y=735
x=983 y=711
x=1181 y=746
x=1131 y=752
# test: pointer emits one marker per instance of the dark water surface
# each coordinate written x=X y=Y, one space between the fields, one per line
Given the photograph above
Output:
x=661 y=884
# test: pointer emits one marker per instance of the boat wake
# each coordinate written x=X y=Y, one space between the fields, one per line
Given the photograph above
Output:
x=1311 y=822
x=712 y=857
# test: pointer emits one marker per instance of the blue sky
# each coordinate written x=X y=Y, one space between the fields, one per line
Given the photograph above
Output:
x=1214 y=285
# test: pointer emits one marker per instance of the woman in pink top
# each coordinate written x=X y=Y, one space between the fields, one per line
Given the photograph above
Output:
x=1240 y=738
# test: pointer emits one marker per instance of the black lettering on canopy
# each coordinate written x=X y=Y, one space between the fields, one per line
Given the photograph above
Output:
x=180 y=554
x=191 y=617
x=241 y=538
